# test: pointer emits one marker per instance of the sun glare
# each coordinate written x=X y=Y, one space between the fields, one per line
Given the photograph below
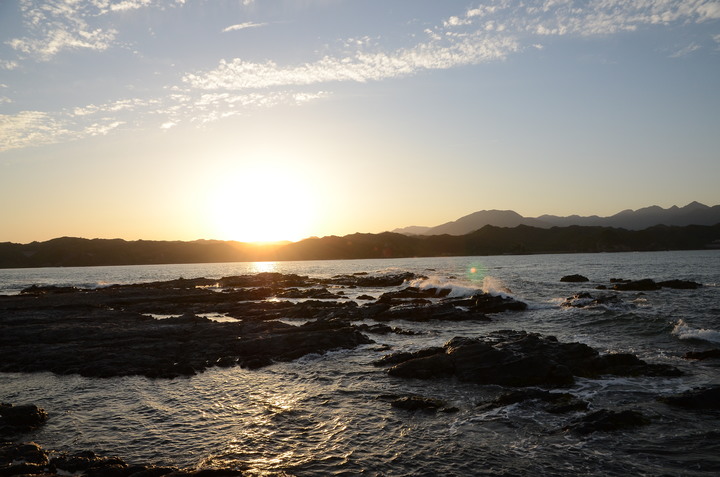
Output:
x=261 y=204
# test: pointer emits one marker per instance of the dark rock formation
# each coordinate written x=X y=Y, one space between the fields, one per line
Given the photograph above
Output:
x=22 y=418
x=553 y=402
x=680 y=284
x=427 y=312
x=488 y=303
x=650 y=285
x=586 y=300
x=606 y=420
x=22 y=459
x=637 y=285
x=700 y=355
x=413 y=402
x=104 y=332
x=398 y=296
x=701 y=398
x=574 y=278
x=365 y=280
x=31 y=459
x=518 y=358
x=383 y=329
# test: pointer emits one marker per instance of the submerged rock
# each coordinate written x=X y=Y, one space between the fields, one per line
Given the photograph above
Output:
x=607 y=420
x=700 y=355
x=574 y=278
x=413 y=402
x=553 y=402
x=701 y=398
x=30 y=459
x=586 y=300
x=517 y=359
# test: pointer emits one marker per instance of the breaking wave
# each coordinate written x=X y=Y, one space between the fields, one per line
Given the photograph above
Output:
x=686 y=332
x=458 y=289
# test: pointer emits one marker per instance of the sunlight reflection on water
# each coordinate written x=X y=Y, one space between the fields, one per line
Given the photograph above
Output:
x=263 y=267
x=321 y=415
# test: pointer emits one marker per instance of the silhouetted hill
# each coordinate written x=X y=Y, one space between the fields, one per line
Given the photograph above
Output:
x=477 y=220
x=489 y=240
x=70 y=251
x=694 y=213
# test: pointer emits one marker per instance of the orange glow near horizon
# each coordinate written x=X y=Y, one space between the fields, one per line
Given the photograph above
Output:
x=261 y=203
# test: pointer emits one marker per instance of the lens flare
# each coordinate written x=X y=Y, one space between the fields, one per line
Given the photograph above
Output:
x=476 y=272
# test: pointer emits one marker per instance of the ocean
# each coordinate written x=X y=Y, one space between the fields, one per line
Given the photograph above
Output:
x=324 y=414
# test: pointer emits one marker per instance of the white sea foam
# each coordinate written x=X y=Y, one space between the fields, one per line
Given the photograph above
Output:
x=686 y=332
x=456 y=289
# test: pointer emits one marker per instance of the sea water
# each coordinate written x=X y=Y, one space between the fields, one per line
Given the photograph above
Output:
x=322 y=414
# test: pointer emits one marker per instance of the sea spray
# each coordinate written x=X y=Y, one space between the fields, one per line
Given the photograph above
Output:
x=686 y=332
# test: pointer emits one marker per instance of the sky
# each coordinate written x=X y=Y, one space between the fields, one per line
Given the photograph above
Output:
x=258 y=120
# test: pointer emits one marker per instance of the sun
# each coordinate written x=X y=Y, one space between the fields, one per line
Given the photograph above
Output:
x=261 y=203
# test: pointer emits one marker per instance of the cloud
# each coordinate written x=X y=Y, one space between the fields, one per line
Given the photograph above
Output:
x=30 y=128
x=485 y=33
x=9 y=65
x=243 y=26
x=490 y=32
x=37 y=128
x=586 y=18
x=55 y=26
x=238 y=74
x=686 y=50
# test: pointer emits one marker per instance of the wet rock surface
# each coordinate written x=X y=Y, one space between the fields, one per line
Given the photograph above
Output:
x=414 y=402
x=99 y=342
x=701 y=398
x=701 y=355
x=22 y=459
x=587 y=300
x=605 y=420
x=113 y=331
x=517 y=359
x=552 y=402
x=648 y=284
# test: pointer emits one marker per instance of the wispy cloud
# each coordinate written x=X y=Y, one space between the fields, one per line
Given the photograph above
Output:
x=243 y=26
x=486 y=33
x=54 y=26
x=36 y=128
x=9 y=65
x=490 y=32
x=30 y=128
x=685 y=51
x=238 y=74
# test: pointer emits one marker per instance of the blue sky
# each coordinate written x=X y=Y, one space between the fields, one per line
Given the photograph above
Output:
x=272 y=119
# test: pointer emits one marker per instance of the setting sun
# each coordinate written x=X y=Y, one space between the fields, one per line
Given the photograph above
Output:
x=264 y=203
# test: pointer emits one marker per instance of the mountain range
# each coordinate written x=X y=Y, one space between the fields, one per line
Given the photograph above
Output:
x=694 y=213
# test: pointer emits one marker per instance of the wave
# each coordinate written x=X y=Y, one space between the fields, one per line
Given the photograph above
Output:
x=458 y=289
x=686 y=332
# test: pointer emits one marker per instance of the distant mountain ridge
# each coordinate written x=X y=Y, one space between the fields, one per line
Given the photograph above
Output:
x=694 y=213
x=489 y=240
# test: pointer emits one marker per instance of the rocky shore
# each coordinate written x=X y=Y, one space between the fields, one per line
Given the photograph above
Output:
x=166 y=330
x=114 y=331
